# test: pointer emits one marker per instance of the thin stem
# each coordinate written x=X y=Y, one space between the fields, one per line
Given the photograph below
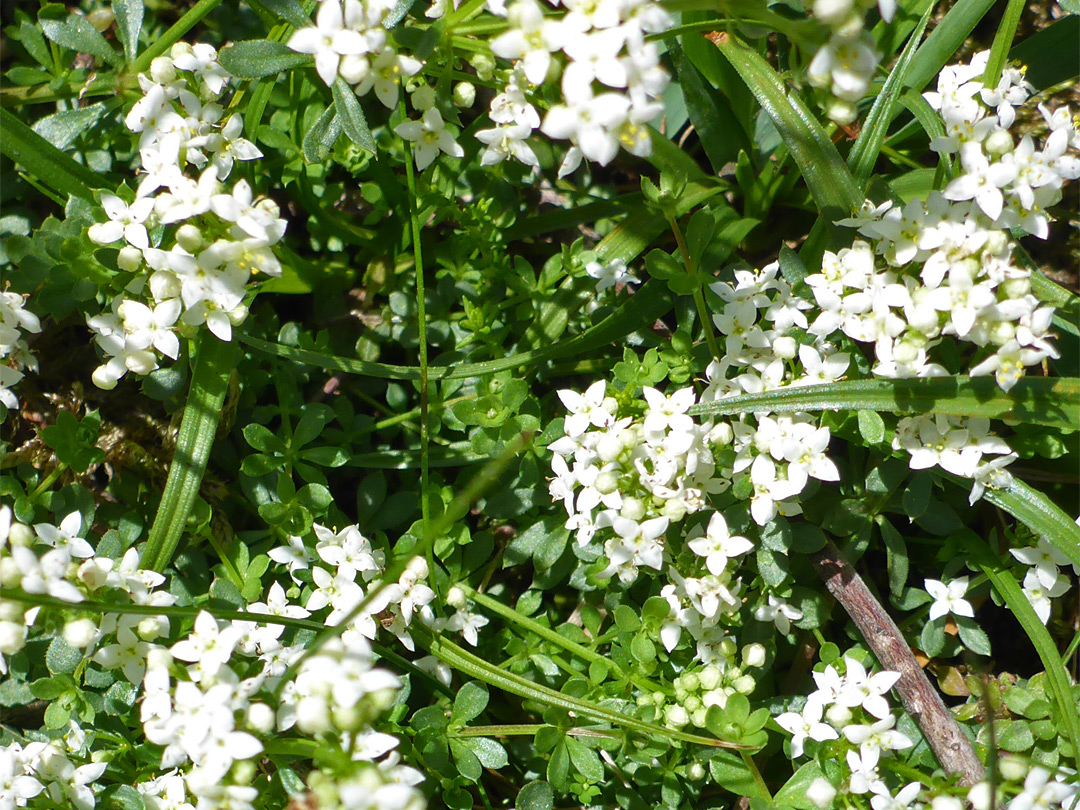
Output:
x=49 y=480
x=192 y=18
x=528 y=730
x=749 y=760
x=699 y=298
x=421 y=318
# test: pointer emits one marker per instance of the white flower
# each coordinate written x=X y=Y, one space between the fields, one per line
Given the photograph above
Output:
x=328 y=40
x=609 y=274
x=1040 y=595
x=129 y=653
x=717 y=546
x=881 y=735
x=67 y=536
x=586 y=409
x=949 y=598
x=202 y=60
x=125 y=221
x=429 y=136
x=779 y=612
x=806 y=724
x=385 y=74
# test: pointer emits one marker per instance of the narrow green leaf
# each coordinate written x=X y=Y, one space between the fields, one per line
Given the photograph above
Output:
x=1037 y=400
x=865 y=152
x=827 y=176
x=352 y=116
x=320 y=139
x=255 y=58
x=289 y=11
x=717 y=128
x=74 y=31
x=129 y=20
x=191 y=18
x=1057 y=677
x=896 y=556
x=1040 y=514
x=1003 y=41
x=62 y=128
x=44 y=161
x=209 y=382
x=1050 y=54
x=945 y=40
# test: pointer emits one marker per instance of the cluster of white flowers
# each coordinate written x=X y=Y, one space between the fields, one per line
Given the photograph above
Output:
x=1044 y=579
x=852 y=706
x=956 y=444
x=190 y=242
x=844 y=66
x=349 y=40
x=14 y=353
x=611 y=80
x=948 y=260
x=43 y=769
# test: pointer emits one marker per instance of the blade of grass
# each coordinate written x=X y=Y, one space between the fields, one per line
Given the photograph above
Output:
x=1040 y=514
x=831 y=184
x=1003 y=40
x=44 y=161
x=1036 y=400
x=864 y=153
x=209 y=383
x=1057 y=676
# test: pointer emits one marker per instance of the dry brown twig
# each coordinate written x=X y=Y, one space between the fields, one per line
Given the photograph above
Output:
x=952 y=747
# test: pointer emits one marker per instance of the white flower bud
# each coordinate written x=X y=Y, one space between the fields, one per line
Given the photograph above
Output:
x=690 y=682
x=423 y=98
x=152 y=628
x=709 y=678
x=675 y=509
x=1012 y=768
x=607 y=482
x=1002 y=332
x=721 y=434
x=717 y=697
x=189 y=237
x=12 y=611
x=260 y=717
x=484 y=65
x=905 y=352
x=785 y=347
x=10 y=573
x=632 y=509
x=744 y=684
x=141 y=362
x=129 y=259
x=165 y=285
x=181 y=48
x=676 y=716
x=728 y=647
x=238 y=314
x=753 y=655
x=840 y=111
x=20 y=535
x=1016 y=287
x=464 y=95
x=313 y=714
x=162 y=70
x=839 y=716
x=80 y=633
x=353 y=68
x=996 y=242
x=697 y=717
x=692 y=703
x=12 y=637
x=455 y=598
x=695 y=771
x=946 y=803
x=998 y=143
x=832 y=12
x=821 y=793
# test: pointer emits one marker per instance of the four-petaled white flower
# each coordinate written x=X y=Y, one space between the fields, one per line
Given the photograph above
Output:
x=949 y=598
x=429 y=136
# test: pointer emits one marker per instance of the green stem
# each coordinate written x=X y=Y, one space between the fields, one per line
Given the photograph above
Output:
x=421 y=318
x=209 y=383
x=528 y=730
x=546 y=633
x=192 y=18
x=496 y=676
x=699 y=297
x=48 y=480
x=749 y=760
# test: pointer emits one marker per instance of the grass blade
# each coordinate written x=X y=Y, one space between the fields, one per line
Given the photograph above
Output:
x=209 y=382
x=830 y=182
x=1037 y=400
x=44 y=161
x=1041 y=515
x=945 y=40
x=1057 y=677
x=1003 y=40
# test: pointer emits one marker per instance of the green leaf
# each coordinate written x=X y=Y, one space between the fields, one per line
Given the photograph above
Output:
x=713 y=119
x=325 y=456
x=728 y=769
x=255 y=58
x=793 y=793
x=871 y=427
x=209 y=383
x=74 y=31
x=322 y=136
x=289 y=11
x=932 y=638
x=470 y=702
x=44 y=161
x=1003 y=41
x=973 y=636
x=60 y=658
x=62 y=128
x=121 y=797
x=468 y=764
x=263 y=439
x=49 y=688
x=1050 y=54
x=896 y=556
x=535 y=796
x=1057 y=677
x=1016 y=736
x=129 y=20
x=830 y=182
x=875 y=128
x=490 y=753
x=1037 y=400
x=945 y=40
x=352 y=116
x=585 y=760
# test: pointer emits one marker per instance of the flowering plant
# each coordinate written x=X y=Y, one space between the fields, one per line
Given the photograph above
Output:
x=532 y=403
